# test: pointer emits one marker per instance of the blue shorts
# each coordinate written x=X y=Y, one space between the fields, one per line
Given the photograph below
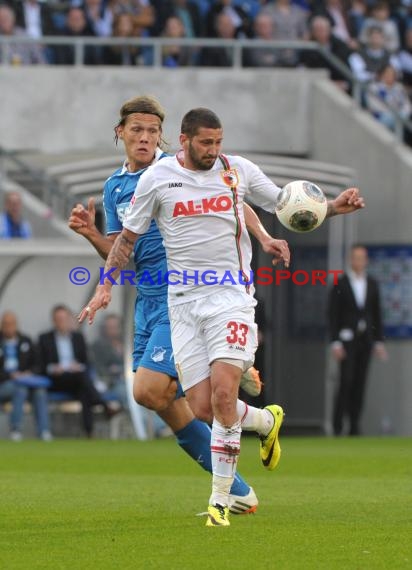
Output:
x=152 y=339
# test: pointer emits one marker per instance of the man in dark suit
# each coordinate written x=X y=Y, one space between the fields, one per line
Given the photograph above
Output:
x=18 y=380
x=63 y=355
x=356 y=331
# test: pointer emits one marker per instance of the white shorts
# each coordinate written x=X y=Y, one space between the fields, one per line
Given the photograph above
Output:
x=217 y=326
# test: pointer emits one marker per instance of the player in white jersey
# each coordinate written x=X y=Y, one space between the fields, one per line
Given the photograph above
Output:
x=198 y=205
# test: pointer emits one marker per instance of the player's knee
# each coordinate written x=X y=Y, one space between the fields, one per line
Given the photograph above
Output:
x=151 y=398
x=144 y=397
x=202 y=411
x=224 y=398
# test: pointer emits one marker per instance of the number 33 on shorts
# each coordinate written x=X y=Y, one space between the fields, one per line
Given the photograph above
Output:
x=237 y=333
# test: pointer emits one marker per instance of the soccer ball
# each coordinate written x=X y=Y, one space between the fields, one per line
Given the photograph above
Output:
x=301 y=206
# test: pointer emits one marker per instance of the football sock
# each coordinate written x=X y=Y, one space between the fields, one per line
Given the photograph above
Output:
x=194 y=439
x=254 y=419
x=225 y=449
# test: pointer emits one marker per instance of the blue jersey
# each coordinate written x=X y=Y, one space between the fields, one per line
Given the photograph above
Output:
x=149 y=252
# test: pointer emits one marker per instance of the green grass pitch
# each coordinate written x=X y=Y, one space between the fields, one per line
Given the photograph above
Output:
x=96 y=505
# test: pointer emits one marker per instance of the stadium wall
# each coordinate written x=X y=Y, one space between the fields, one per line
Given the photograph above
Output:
x=75 y=108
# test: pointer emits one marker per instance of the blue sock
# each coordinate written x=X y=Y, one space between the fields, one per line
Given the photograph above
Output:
x=195 y=440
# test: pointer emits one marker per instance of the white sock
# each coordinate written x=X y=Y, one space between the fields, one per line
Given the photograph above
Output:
x=254 y=419
x=225 y=448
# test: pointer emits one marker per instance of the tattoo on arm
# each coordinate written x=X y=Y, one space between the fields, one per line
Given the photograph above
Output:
x=119 y=255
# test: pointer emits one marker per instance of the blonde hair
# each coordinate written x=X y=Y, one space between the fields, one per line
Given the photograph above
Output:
x=143 y=104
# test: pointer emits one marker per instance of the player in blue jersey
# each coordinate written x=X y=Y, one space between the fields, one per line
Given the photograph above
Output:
x=155 y=384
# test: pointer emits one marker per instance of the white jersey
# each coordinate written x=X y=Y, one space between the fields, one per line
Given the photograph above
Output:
x=200 y=216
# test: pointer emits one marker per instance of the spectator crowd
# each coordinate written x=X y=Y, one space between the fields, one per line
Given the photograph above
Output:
x=373 y=38
x=61 y=364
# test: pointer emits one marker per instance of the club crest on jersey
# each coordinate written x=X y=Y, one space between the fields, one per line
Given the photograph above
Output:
x=230 y=177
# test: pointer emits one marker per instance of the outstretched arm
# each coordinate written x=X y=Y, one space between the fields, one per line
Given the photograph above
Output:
x=82 y=222
x=347 y=202
x=276 y=247
x=117 y=260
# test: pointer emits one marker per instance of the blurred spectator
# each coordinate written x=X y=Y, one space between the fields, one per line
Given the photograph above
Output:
x=98 y=17
x=220 y=56
x=387 y=90
x=187 y=10
x=12 y=224
x=64 y=360
x=108 y=359
x=356 y=19
x=76 y=26
x=289 y=21
x=144 y=15
x=379 y=18
x=123 y=27
x=371 y=58
x=321 y=33
x=405 y=60
x=17 y=53
x=34 y=17
x=18 y=382
x=334 y=11
x=175 y=56
x=263 y=28
x=239 y=18
x=189 y=14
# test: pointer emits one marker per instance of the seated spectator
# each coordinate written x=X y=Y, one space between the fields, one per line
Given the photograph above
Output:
x=12 y=223
x=321 y=33
x=18 y=381
x=189 y=14
x=34 y=17
x=175 y=56
x=263 y=56
x=290 y=22
x=187 y=10
x=17 y=53
x=63 y=357
x=372 y=57
x=98 y=17
x=379 y=18
x=405 y=60
x=356 y=18
x=387 y=90
x=239 y=18
x=76 y=26
x=108 y=359
x=334 y=11
x=123 y=27
x=220 y=56
x=143 y=13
